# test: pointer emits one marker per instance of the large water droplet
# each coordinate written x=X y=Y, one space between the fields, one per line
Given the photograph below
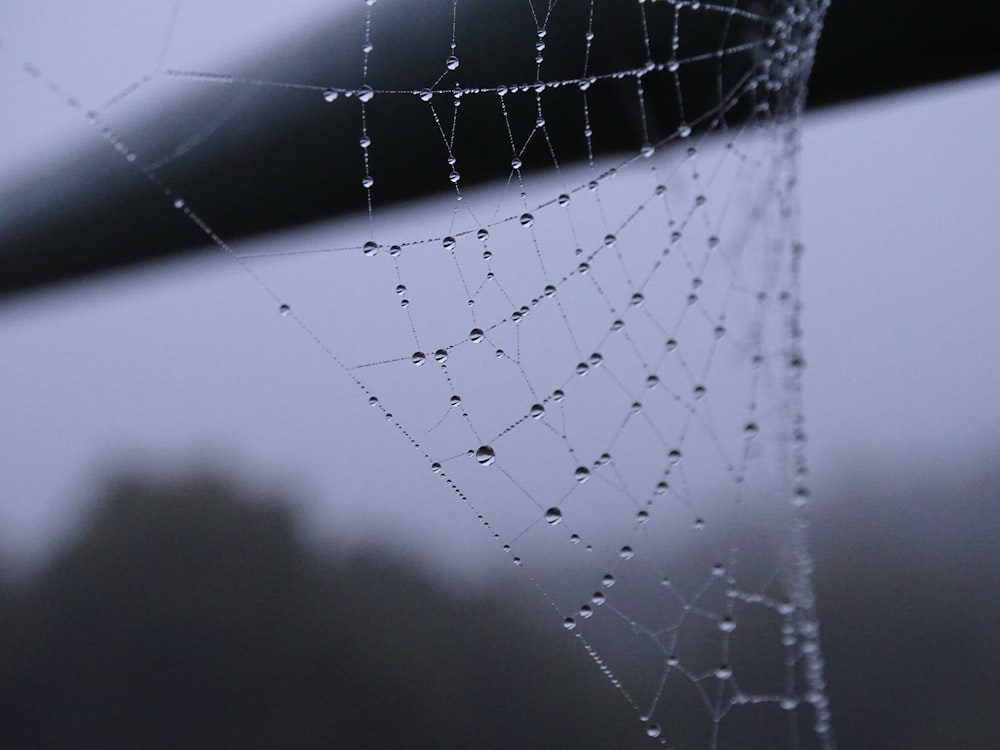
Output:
x=365 y=94
x=455 y=401
x=367 y=181
x=369 y=248
x=652 y=731
x=527 y=220
x=727 y=624
x=477 y=335
x=569 y=623
x=284 y=309
x=449 y=242
x=607 y=581
x=441 y=355
x=485 y=455
x=537 y=411
x=451 y=63
x=418 y=358
x=330 y=95
x=626 y=553
x=724 y=672
x=582 y=474
x=637 y=299
x=553 y=516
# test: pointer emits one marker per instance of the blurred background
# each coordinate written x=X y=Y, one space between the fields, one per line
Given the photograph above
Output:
x=174 y=543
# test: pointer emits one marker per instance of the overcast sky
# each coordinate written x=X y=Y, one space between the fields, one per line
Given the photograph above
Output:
x=185 y=362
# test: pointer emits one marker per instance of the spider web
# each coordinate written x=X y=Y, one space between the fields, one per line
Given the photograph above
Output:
x=589 y=330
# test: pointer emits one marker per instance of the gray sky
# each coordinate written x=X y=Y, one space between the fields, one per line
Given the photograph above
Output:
x=188 y=362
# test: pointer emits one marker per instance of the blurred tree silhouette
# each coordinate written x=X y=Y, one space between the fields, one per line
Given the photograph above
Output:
x=184 y=616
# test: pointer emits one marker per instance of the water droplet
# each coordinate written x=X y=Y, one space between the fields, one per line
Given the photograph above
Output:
x=540 y=122
x=700 y=200
x=369 y=248
x=485 y=455
x=477 y=335
x=583 y=268
x=699 y=392
x=652 y=731
x=673 y=66
x=558 y=395
x=537 y=411
x=674 y=456
x=549 y=290
x=482 y=235
x=527 y=220
x=724 y=672
x=449 y=242
x=365 y=141
x=661 y=488
x=454 y=176
x=395 y=250
x=441 y=355
x=652 y=381
x=720 y=332
x=553 y=516
x=596 y=359
x=727 y=624
x=608 y=581
x=718 y=570
x=684 y=131
x=330 y=95
x=597 y=598
x=400 y=289
x=610 y=239
x=451 y=63
x=365 y=94
x=671 y=344
x=647 y=150
x=626 y=553
x=178 y=203
x=751 y=430
x=789 y=704
x=455 y=401
x=569 y=623
x=563 y=199
x=284 y=309
x=661 y=189
x=367 y=47
x=637 y=299
x=582 y=474
x=586 y=612
x=515 y=163
x=642 y=516
x=367 y=181
x=582 y=368
x=636 y=407
x=418 y=358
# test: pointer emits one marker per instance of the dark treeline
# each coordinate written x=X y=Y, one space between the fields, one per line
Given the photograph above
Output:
x=184 y=615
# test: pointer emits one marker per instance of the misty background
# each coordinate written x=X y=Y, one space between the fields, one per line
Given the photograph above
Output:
x=149 y=372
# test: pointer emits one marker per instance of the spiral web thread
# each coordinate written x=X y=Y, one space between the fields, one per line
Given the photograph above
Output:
x=599 y=358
